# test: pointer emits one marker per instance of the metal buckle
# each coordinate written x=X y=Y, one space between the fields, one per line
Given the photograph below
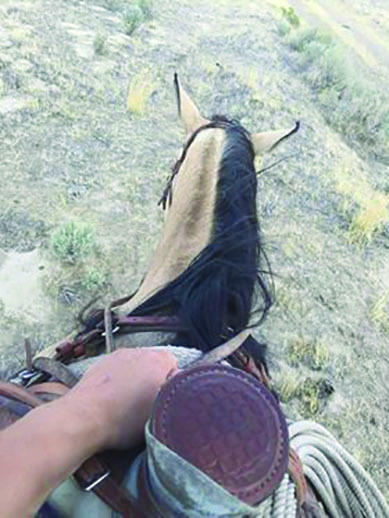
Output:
x=97 y=482
x=113 y=331
x=24 y=376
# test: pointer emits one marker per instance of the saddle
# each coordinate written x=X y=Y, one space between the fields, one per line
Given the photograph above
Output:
x=222 y=420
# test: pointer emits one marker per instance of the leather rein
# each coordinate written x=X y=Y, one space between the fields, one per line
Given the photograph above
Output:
x=89 y=343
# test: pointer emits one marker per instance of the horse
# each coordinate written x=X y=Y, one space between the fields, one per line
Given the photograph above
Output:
x=210 y=270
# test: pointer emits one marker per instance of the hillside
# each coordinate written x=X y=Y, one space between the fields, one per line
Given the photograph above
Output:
x=88 y=134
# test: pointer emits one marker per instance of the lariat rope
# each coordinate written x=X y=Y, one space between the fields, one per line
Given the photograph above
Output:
x=341 y=483
x=344 y=487
x=282 y=503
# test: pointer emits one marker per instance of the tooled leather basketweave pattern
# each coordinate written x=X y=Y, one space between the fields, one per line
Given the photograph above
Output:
x=228 y=425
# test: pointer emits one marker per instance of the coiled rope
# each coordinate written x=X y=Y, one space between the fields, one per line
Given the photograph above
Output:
x=282 y=503
x=344 y=487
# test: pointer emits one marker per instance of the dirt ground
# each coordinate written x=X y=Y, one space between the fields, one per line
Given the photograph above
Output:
x=74 y=147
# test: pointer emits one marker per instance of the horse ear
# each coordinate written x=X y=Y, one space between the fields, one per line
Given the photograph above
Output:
x=268 y=140
x=187 y=110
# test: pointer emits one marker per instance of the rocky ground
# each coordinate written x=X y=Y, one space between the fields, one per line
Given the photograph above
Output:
x=88 y=132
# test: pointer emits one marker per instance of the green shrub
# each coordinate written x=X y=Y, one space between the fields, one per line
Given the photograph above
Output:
x=72 y=242
x=284 y=28
x=145 y=5
x=290 y=16
x=352 y=104
x=132 y=17
x=135 y=14
x=300 y=39
x=329 y=71
x=99 y=44
x=93 y=279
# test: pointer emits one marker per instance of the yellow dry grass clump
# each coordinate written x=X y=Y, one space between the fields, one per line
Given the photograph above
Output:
x=140 y=89
x=288 y=386
x=372 y=205
x=314 y=354
x=372 y=216
x=252 y=78
x=380 y=311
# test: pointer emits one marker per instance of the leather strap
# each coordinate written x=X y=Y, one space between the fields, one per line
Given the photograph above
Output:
x=15 y=402
x=311 y=507
x=48 y=391
x=145 y=497
x=221 y=352
x=12 y=391
x=69 y=350
x=296 y=473
x=10 y=411
x=55 y=369
x=94 y=475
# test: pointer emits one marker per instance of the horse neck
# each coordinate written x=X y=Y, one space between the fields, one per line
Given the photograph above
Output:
x=190 y=219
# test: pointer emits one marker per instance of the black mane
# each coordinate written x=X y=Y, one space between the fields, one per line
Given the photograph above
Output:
x=218 y=293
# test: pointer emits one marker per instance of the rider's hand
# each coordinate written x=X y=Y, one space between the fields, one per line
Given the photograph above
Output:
x=108 y=408
x=118 y=392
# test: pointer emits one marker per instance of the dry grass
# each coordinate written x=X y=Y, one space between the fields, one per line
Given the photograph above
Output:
x=252 y=78
x=288 y=387
x=350 y=101
x=208 y=65
x=380 y=311
x=313 y=395
x=140 y=89
x=312 y=353
x=307 y=395
x=290 y=300
x=369 y=207
x=371 y=217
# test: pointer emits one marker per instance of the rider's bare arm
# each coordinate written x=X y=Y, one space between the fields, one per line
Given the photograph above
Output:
x=108 y=408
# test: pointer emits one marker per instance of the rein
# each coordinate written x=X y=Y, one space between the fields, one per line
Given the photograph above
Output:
x=89 y=343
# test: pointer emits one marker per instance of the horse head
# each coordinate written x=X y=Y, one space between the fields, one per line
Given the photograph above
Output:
x=209 y=268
